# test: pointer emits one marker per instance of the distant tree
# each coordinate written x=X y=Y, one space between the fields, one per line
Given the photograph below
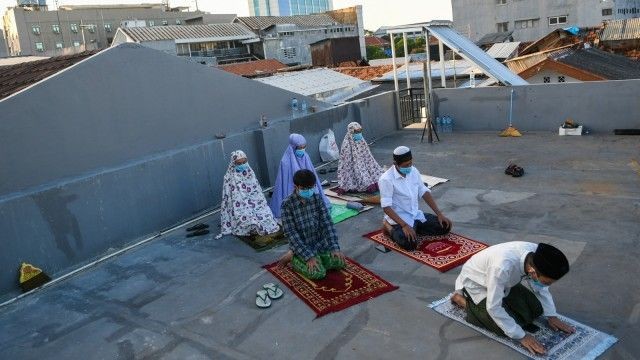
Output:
x=375 y=52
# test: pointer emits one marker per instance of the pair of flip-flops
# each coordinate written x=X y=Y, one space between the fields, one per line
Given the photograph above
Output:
x=197 y=230
x=514 y=170
x=270 y=292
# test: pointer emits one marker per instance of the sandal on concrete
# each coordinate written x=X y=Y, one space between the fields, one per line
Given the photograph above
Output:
x=262 y=299
x=199 y=226
x=273 y=291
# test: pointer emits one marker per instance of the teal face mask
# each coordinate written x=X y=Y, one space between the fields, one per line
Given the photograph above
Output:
x=357 y=137
x=404 y=170
x=306 y=193
x=242 y=167
x=299 y=153
x=537 y=284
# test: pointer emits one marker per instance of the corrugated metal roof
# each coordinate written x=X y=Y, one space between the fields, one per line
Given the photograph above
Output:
x=607 y=65
x=497 y=37
x=14 y=78
x=621 y=30
x=470 y=51
x=522 y=63
x=459 y=68
x=182 y=32
x=503 y=50
x=323 y=84
x=263 y=22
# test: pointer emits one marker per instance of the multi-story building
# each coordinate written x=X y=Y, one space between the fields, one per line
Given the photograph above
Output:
x=532 y=19
x=3 y=45
x=288 y=7
x=288 y=39
x=35 y=30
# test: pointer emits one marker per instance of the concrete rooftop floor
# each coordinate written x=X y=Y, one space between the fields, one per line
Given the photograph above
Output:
x=179 y=298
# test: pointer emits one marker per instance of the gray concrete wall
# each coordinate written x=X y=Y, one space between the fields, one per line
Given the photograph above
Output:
x=121 y=146
x=600 y=105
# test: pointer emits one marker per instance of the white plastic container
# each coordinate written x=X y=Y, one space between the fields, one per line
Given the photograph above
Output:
x=577 y=131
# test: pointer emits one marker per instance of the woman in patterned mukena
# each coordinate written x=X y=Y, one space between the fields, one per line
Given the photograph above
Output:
x=244 y=210
x=358 y=171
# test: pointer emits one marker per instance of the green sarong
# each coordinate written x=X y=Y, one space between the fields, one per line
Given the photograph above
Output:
x=325 y=262
x=521 y=304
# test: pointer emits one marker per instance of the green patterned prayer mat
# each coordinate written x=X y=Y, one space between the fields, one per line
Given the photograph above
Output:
x=585 y=344
x=263 y=243
x=341 y=213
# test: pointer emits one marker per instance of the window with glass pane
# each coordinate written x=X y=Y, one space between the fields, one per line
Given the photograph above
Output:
x=55 y=28
x=59 y=45
x=74 y=28
x=36 y=29
x=39 y=46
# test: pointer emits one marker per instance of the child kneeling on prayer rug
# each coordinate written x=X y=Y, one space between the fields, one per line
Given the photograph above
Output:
x=312 y=237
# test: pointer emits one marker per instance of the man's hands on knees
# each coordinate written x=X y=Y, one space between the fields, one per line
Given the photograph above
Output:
x=444 y=221
x=559 y=325
x=531 y=344
x=338 y=254
x=312 y=265
x=410 y=233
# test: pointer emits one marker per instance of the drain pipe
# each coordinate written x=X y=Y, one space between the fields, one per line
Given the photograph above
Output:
x=510 y=108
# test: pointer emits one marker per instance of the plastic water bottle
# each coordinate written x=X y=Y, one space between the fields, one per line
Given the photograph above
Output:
x=303 y=107
x=294 y=104
x=439 y=125
x=446 y=124
x=450 y=124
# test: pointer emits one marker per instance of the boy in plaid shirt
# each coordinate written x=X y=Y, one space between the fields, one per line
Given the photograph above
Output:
x=307 y=224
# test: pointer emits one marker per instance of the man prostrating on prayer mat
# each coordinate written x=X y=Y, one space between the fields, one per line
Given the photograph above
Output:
x=491 y=289
x=401 y=187
x=312 y=237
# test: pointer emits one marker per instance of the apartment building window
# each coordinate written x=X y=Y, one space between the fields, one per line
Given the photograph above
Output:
x=36 y=29
x=74 y=28
x=76 y=43
x=178 y=22
x=165 y=22
x=286 y=33
x=91 y=28
x=39 y=46
x=546 y=79
x=59 y=45
x=55 y=28
x=524 y=24
x=502 y=27
x=289 y=53
x=107 y=27
x=501 y=2
x=152 y=23
x=607 y=12
x=558 y=20
x=561 y=79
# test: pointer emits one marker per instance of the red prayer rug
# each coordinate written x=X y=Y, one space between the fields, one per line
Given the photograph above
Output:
x=339 y=290
x=442 y=253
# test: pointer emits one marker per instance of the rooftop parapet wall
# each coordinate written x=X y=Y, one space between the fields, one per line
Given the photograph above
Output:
x=600 y=105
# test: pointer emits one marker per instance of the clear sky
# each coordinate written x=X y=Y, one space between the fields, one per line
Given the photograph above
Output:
x=376 y=12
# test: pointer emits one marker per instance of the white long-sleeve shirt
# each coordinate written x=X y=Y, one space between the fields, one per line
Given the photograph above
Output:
x=402 y=194
x=492 y=272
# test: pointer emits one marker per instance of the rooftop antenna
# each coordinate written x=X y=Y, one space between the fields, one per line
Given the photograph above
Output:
x=510 y=131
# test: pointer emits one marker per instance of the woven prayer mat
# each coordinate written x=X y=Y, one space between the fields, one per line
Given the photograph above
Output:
x=258 y=246
x=585 y=343
x=442 y=253
x=339 y=290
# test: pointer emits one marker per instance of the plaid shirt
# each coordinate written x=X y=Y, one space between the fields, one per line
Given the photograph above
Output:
x=308 y=226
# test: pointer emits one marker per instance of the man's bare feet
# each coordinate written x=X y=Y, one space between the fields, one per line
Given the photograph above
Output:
x=286 y=258
x=459 y=300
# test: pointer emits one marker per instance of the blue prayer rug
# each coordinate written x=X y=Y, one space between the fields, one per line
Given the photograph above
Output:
x=585 y=343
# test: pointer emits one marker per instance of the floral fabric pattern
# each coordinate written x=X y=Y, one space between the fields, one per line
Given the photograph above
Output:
x=357 y=169
x=244 y=209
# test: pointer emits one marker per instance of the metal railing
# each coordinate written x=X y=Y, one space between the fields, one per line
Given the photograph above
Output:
x=217 y=53
x=412 y=101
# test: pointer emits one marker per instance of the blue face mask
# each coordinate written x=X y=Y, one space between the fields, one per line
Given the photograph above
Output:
x=242 y=167
x=299 y=152
x=537 y=284
x=357 y=137
x=306 y=193
x=404 y=170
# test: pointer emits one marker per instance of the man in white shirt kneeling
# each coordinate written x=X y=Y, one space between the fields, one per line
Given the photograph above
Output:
x=490 y=288
x=401 y=187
